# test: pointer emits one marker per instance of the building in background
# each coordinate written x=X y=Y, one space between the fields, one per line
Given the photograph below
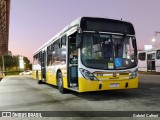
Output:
x=4 y=26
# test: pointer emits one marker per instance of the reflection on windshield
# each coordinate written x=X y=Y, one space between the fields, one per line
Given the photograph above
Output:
x=104 y=51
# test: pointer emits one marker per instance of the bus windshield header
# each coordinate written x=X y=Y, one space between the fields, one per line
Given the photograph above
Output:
x=107 y=25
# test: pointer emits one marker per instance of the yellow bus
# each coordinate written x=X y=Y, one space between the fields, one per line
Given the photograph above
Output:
x=90 y=54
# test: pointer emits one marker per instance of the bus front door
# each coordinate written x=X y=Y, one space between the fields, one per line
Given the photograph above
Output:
x=72 y=63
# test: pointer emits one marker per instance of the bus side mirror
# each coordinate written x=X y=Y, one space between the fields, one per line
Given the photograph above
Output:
x=79 y=40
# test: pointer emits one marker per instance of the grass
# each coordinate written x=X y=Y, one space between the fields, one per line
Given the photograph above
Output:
x=12 y=72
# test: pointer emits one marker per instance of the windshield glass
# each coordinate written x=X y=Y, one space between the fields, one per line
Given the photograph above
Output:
x=106 y=51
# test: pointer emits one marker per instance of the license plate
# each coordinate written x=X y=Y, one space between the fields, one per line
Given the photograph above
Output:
x=114 y=85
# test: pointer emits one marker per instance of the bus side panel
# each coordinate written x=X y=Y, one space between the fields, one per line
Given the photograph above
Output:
x=64 y=74
x=54 y=80
x=34 y=74
x=39 y=75
x=142 y=65
x=65 y=82
x=50 y=78
x=157 y=65
x=87 y=85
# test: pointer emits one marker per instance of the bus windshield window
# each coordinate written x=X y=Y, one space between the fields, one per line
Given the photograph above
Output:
x=105 y=51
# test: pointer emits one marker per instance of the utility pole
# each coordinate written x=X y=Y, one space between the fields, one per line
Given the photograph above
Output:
x=3 y=66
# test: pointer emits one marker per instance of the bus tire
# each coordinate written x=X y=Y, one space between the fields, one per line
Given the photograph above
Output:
x=36 y=75
x=40 y=82
x=60 y=83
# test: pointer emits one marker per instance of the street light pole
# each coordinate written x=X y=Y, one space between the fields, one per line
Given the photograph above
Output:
x=3 y=67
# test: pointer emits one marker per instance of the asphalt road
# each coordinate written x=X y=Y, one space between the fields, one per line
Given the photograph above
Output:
x=22 y=93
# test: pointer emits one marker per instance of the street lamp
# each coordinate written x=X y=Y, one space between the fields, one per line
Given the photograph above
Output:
x=154 y=42
x=3 y=65
x=154 y=39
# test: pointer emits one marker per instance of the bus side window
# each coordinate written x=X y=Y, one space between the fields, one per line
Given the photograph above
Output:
x=35 y=60
x=63 y=40
x=57 y=51
x=49 y=55
x=39 y=58
x=142 y=56
x=63 y=49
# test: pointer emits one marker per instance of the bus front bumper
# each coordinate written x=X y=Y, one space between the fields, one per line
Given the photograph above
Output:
x=88 y=85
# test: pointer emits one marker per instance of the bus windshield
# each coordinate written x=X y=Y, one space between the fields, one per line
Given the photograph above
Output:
x=108 y=51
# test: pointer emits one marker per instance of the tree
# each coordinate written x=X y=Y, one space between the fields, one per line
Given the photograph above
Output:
x=12 y=63
x=27 y=63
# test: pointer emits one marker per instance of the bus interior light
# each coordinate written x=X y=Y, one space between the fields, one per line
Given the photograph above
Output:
x=88 y=75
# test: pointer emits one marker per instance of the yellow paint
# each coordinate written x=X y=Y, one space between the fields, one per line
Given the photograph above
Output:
x=87 y=85
x=39 y=75
x=65 y=82
x=50 y=79
x=34 y=74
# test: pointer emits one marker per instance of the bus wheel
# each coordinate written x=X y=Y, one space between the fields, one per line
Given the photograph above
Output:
x=40 y=82
x=60 y=83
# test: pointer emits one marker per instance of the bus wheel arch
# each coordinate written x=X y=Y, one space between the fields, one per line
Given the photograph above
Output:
x=59 y=79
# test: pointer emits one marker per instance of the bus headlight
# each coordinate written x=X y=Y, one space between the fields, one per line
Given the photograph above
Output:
x=134 y=74
x=88 y=75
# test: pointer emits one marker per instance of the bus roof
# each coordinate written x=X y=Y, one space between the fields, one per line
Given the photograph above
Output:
x=71 y=25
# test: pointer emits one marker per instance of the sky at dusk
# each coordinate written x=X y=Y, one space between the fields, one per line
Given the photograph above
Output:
x=34 y=22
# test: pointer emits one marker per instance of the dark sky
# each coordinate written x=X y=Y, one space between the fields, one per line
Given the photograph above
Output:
x=34 y=22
